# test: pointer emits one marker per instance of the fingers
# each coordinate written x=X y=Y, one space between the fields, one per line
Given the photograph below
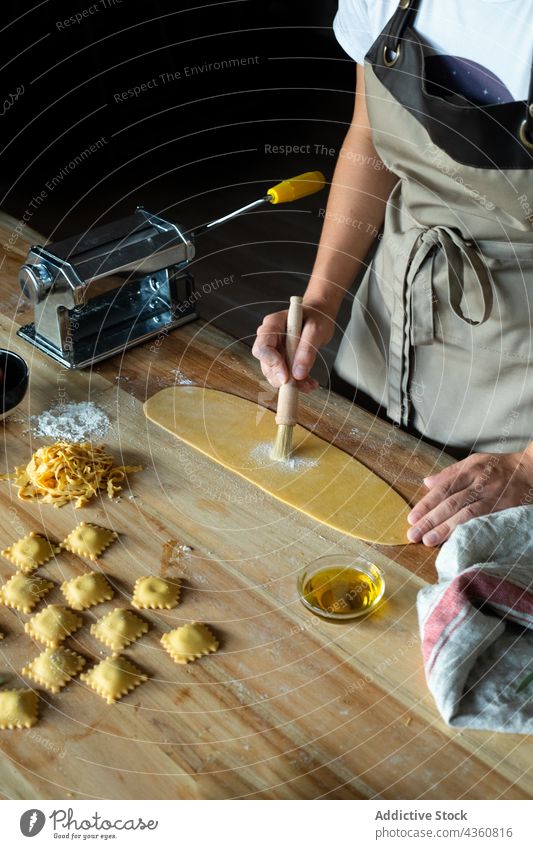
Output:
x=451 y=493
x=455 y=478
x=307 y=385
x=437 y=495
x=306 y=351
x=443 y=517
x=276 y=374
x=275 y=380
x=442 y=530
x=267 y=348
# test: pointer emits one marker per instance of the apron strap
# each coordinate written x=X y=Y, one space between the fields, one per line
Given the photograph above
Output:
x=412 y=324
x=465 y=267
x=526 y=128
x=404 y=17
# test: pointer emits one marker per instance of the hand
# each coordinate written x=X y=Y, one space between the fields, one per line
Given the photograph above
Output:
x=269 y=346
x=475 y=486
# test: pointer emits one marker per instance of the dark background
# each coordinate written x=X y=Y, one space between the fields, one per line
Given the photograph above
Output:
x=192 y=146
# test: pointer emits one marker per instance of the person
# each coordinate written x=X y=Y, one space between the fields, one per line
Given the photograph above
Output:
x=435 y=174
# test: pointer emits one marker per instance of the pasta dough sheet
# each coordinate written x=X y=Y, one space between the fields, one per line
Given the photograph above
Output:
x=320 y=480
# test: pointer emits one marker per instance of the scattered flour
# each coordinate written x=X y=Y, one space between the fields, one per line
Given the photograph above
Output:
x=181 y=379
x=71 y=422
x=262 y=455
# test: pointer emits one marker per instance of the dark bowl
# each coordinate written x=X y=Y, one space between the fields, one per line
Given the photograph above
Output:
x=15 y=380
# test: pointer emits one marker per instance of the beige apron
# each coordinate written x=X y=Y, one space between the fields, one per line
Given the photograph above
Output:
x=441 y=326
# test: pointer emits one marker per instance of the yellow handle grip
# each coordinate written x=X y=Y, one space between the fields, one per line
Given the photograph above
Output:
x=297 y=187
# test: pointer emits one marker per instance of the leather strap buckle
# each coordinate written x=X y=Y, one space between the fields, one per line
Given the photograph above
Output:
x=390 y=56
x=524 y=138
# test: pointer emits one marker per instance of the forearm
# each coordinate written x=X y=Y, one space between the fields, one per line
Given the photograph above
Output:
x=354 y=215
x=355 y=212
x=360 y=188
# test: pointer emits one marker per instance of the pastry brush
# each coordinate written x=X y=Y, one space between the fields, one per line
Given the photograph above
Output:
x=287 y=411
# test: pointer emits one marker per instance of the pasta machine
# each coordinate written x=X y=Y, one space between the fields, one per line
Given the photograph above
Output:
x=120 y=284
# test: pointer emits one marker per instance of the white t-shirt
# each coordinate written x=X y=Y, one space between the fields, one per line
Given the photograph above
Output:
x=485 y=45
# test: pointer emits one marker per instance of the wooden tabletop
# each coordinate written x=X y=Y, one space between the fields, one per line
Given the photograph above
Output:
x=291 y=706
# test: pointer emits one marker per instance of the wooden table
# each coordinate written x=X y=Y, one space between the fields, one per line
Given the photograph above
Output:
x=291 y=706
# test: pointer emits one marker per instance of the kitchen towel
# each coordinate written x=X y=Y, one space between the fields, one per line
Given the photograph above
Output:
x=476 y=624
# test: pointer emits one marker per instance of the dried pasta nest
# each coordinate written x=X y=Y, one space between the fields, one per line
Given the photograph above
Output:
x=69 y=471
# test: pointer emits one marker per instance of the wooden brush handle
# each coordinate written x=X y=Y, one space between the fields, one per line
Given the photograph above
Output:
x=287 y=412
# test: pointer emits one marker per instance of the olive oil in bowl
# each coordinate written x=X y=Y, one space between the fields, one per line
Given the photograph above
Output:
x=341 y=587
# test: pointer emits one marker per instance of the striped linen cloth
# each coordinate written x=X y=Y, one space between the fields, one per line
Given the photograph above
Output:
x=476 y=624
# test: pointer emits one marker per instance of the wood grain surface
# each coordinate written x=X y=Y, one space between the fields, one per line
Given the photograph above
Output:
x=291 y=706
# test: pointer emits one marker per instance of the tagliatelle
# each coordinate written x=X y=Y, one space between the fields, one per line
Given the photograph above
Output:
x=69 y=471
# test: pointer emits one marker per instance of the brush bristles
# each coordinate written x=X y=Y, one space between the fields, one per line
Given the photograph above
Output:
x=283 y=445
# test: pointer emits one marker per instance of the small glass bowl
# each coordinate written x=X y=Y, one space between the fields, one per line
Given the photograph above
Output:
x=338 y=595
